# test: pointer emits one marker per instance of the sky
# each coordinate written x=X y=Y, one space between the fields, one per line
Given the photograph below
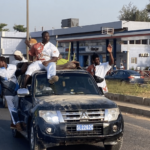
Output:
x=49 y=13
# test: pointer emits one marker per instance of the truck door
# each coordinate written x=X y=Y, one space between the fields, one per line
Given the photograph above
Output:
x=25 y=104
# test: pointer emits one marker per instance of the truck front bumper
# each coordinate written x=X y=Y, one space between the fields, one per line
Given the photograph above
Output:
x=60 y=136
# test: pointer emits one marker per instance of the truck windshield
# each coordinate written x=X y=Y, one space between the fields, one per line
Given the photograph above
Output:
x=68 y=84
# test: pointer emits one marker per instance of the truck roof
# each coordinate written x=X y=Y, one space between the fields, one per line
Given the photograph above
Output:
x=64 y=70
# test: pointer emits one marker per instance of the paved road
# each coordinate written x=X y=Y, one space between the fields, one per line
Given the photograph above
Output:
x=136 y=136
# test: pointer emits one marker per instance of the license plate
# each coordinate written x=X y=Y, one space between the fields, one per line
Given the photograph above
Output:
x=136 y=77
x=84 y=127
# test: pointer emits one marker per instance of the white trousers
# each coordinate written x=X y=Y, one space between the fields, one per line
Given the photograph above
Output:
x=37 y=66
x=12 y=109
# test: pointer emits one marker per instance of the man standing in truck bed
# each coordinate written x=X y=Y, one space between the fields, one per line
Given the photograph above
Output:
x=46 y=54
x=100 y=69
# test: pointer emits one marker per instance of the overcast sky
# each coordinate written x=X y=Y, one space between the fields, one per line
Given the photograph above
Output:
x=49 y=13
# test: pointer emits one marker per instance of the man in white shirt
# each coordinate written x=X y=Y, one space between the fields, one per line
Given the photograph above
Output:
x=46 y=57
x=100 y=69
x=9 y=89
x=19 y=58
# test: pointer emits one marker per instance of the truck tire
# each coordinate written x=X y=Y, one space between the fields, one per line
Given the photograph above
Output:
x=34 y=145
x=4 y=102
x=15 y=133
x=115 y=147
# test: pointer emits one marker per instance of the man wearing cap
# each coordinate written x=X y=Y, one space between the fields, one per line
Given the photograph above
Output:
x=19 y=58
x=46 y=55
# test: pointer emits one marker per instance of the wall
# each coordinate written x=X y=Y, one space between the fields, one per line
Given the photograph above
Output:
x=141 y=61
x=135 y=50
x=135 y=25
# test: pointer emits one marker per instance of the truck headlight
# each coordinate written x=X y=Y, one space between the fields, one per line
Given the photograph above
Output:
x=49 y=116
x=112 y=114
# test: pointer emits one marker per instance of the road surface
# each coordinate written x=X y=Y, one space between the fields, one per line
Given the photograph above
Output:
x=136 y=135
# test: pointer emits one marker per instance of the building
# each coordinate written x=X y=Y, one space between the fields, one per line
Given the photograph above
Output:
x=11 y=41
x=130 y=41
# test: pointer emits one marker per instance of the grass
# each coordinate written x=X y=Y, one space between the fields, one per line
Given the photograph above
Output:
x=129 y=89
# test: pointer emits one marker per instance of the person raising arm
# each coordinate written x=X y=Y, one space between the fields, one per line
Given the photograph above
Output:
x=100 y=69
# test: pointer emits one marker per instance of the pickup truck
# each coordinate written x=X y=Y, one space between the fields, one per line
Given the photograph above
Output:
x=71 y=111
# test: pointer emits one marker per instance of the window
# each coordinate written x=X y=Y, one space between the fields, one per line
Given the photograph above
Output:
x=131 y=41
x=68 y=84
x=138 y=41
x=124 y=42
x=7 y=60
x=134 y=60
x=144 y=41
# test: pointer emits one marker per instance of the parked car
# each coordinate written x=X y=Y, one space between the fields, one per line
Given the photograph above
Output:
x=71 y=111
x=129 y=76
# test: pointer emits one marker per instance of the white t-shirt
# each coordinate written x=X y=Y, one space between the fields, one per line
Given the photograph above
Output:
x=9 y=73
x=121 y=67
x=15 y=62
x=101 y=71
x=50 y=51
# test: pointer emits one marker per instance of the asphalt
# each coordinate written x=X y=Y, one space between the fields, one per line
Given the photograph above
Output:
x=136 y=135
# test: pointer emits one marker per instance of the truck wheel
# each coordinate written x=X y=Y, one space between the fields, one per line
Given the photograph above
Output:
x=34 y=145
x=4 y=102
x=115 y=147
x=15 y=133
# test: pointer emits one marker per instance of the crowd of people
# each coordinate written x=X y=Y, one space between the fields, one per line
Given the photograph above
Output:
x=43 y=55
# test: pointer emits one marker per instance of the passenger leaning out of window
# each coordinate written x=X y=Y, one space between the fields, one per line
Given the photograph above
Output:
x=46 y=56
x=9 y=87
x=100 y=69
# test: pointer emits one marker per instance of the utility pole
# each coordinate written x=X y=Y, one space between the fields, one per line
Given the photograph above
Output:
x=27 y=3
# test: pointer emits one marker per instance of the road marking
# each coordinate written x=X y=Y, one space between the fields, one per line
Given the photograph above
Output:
x=139 y=127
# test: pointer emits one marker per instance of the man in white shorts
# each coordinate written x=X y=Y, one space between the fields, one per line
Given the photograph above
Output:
x=100 y=69
x=46 y=56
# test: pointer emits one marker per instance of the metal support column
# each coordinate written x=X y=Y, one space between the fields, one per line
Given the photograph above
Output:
x=27 y=3
x=107 y=54
x=114 y=49
x=71 y=50
x=77 y=50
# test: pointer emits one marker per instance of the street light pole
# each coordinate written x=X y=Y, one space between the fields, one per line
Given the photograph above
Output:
x=27 y=3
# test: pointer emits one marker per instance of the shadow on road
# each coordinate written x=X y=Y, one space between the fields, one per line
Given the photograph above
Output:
x=79 y=147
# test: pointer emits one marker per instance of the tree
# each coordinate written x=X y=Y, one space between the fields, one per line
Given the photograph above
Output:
x=2 y=25
x=20 y=28
x=131 y=13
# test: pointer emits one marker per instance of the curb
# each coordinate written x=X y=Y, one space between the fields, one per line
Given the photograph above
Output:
x=135 y=111
x=129 y=99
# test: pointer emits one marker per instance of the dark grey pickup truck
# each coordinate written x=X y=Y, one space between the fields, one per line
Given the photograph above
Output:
x=71 y=111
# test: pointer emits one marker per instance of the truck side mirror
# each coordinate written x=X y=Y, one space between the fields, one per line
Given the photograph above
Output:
x=23 y=92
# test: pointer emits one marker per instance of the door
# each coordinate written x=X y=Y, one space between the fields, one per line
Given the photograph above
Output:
x=25 y=104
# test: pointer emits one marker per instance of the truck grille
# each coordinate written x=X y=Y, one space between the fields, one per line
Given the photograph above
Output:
x=83 y=116
x=71 y=131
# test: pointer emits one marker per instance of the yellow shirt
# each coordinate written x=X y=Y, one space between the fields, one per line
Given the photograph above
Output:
x=61 y=62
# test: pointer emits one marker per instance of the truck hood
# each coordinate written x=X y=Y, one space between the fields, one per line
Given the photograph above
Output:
x=73 y=102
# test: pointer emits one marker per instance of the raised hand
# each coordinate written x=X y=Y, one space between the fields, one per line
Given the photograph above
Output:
x=109 y=48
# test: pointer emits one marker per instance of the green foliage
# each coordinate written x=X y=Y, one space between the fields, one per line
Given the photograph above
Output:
x=2 y=25
x=20 y=28
x=131 y=13
x=129 y=89
x=132 y=68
